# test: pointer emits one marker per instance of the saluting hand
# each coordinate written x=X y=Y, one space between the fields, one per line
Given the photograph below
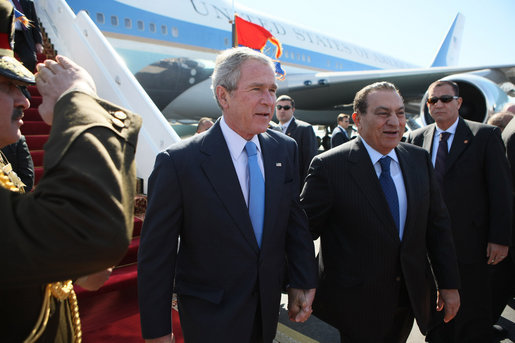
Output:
x=54 y=78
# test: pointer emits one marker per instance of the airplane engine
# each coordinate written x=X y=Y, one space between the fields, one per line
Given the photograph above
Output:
x=168 y=78
x=481 y=98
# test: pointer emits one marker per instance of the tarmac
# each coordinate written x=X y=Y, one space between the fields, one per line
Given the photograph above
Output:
x=316 y=331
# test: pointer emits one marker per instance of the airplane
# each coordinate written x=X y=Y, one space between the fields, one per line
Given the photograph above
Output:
x=171 y=47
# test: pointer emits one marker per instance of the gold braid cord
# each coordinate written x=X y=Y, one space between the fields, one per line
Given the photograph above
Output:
x=59 y=290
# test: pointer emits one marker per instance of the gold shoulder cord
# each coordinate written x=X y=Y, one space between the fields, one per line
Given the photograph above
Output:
x=59 y=290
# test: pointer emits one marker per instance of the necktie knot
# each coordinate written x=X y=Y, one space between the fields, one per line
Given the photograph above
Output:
x=385 y=164
x=251 y=148
x=444 y=136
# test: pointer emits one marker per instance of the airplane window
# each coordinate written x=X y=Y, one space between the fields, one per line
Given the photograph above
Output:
x=226 y=41
x=141 y=25
x=100 y=18
x=309 y=58
x=114 y=20
x=175 y=32
x=152 y=27
x=128 y=23
x=286 y=54
x=303 y=58
x=164 y=29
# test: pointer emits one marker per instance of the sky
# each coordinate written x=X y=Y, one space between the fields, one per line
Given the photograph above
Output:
x=410 y=30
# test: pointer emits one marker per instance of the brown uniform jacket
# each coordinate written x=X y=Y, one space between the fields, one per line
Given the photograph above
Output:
x=78 y=220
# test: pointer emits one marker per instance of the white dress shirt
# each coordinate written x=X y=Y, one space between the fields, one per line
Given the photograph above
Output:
x=284 y=127
x=236 y=145
x=396 y=173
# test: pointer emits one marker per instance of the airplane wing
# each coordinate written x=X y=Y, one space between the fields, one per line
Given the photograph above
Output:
x=485 y=89
x=332 y=89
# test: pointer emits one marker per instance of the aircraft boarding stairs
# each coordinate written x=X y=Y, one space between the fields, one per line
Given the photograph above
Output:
x=110 y=314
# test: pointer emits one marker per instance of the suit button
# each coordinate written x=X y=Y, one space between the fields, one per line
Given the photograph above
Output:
x=398 y=279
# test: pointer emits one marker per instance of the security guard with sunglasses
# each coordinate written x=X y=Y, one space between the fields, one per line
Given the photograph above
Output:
x=79 y=218
x=299 y=130
x=474 y=177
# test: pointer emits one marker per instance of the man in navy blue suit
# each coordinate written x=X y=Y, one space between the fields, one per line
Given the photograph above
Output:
x=227 y=274
x=340 y=134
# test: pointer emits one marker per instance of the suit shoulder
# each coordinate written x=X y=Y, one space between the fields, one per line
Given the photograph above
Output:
x=412 y=149
x=301 y=123
x=279 y=136
x=420 y=131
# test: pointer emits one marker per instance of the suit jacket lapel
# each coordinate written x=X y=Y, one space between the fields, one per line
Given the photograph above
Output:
x=274 y=179
x=427 y=144
x=462 y=138
x=219 y=170
x=409 y=175
x=291 y=127
x=365 y=177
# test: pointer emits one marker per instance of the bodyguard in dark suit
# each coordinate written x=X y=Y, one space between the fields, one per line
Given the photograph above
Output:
x=376 y=267
x=229 y=268
x=340 y=135
x=299 y=130
x=471 y=167
x=503 y=275
x=28 y=40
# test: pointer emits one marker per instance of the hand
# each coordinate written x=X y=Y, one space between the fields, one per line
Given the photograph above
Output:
x=495 y=253
x=165 y=339
x=53 y=79
x=450 y=300
x=93 y=282
x=299 y=304
x=39 y=48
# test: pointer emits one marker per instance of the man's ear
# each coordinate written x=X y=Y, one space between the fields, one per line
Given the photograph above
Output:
x=222 y=94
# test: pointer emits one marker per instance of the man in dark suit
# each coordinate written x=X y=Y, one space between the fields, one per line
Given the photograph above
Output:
x=378 y=268
x=79 y=219
x=18 y=155
x=503 y=274
x=229 y=269
x=299 y=130
x=27 y=39
x=340 y=134
x=472 y=170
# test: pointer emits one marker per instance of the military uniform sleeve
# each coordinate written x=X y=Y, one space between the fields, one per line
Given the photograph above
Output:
x=79 y=218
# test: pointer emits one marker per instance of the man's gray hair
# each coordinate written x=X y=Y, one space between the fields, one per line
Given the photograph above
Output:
x=361 y=99
x=228 y=67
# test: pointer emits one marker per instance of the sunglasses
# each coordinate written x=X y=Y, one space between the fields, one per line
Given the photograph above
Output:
x=286 y=108
x=444 y=98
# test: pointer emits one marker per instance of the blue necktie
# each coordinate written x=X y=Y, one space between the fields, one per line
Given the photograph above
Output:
x=256 y=192
x=390 y=193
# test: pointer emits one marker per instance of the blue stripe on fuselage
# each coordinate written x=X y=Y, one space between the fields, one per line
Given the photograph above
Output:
x=194 y=35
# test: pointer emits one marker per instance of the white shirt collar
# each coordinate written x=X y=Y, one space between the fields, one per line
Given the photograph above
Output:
x=376 y=156
x=451 y=129
x=235 y=142
x=285 y=125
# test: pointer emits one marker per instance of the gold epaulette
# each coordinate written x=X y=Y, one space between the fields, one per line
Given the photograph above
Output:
x=8 y=178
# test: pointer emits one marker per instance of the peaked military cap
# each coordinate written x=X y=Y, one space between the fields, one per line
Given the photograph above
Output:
x=9 y=66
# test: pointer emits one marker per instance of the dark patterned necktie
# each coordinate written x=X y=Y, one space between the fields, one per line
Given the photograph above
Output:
x=390 y=193
x=441 y=157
